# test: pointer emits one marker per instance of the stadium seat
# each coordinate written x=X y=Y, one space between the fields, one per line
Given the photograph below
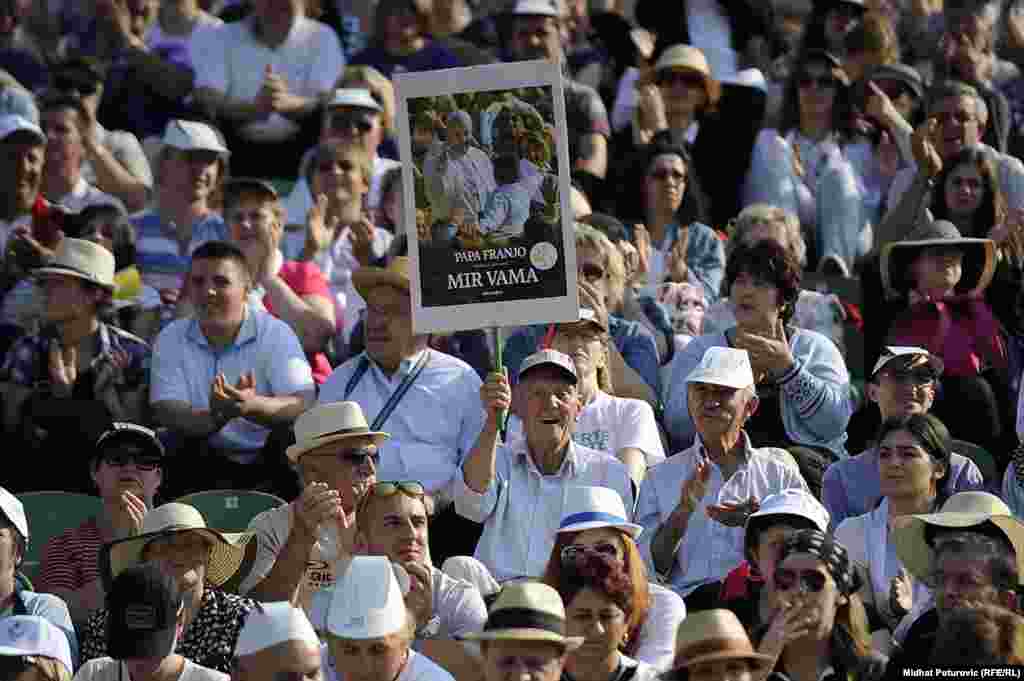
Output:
x=230 y=510
x=49 y=514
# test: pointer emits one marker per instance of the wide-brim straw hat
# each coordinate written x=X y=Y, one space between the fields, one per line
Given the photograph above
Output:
x=979 y=261
x=690 y=58
x=396 y=274
x=713 y=635
x=83 y=260
x=527 y=611
x=226 y=553
x=327 y=423
x=962 y=511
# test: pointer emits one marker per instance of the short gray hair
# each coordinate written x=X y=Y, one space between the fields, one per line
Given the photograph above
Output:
x=765 y=212
x=997 y=554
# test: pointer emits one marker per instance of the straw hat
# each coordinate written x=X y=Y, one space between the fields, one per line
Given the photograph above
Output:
x=690 y=58
x=527 y=611
x=83 y=260
x=961 y=511
x=712 y=635
x=979 y=263
x=327 y=423
x=589 y=507
x=226 y=553
x=395 y=274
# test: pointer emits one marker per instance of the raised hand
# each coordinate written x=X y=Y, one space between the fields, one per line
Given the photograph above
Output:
x=496 y=395
x=733 y=515
x=63 y=369
x=361 y=236
x=420 y=599
x=923 y=146
x=695 y=487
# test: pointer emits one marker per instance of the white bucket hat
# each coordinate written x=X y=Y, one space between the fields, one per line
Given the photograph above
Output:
x=22 y=635
x=193 y=136
x=796 y=502
x=590 y=507
x=226 y=554
x=355 y=97
x=367 y=601
x=536 y=8
x=272 y=623
x=83 y=260
x=723 y=366
x=327 y=423
x=12 y=507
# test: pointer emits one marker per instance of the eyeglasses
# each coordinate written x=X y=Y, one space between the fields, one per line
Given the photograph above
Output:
x=665 y=174
x=83 y=88
x=911 y=376
x=347 y=121
x=811 y=581
x=143 y=462
x=825 y=82
x=574 y=552
x=592 y=272
x=358 y=457
x=390 y=488
x=687 y=78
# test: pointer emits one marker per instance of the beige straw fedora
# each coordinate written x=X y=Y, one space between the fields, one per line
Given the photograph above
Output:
x=327 y=423
x=712 y=635
x=527 y=611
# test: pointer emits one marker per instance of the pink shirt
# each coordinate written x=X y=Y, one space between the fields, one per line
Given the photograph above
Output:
x=306 y=279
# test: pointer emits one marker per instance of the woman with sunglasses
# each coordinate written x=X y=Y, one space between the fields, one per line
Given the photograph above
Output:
x=594 y=523
x=601 y=606
x=913 y=469
x=818 y=620
x=662 y=206
x=788 y=160
x=127 y=469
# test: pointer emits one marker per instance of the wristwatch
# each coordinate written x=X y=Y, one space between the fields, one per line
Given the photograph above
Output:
x=430 y=629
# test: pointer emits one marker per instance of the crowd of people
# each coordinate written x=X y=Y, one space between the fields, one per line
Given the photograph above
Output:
x=728 y=467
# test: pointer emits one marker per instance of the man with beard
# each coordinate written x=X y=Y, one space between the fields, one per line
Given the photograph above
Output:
x=225 y=377
x=517 y=490
x=301 y=543
x=719 y=480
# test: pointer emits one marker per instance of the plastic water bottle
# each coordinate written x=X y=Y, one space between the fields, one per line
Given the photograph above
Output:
x=329 y=542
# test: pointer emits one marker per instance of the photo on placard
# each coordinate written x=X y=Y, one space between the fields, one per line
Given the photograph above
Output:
x=485 y=162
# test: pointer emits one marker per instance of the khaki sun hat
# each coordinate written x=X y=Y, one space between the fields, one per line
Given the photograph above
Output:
x=979 y=256
x=527 y=611
x=83 y=260
x=395 y=274
x=961 y=511
x=327 y=423
x=689 y=58
x=226 y=553
x=713 y=635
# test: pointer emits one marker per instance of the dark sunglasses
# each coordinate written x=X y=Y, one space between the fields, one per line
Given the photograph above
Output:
x=358 y=457
x=347 y=121
x=915 y=376
x=811 y=581
x=143 y=463
x=390 y=488
x=573 y=552
x=82 y=87
x=665 y=174
x=805 y=80
x=687 y=78
x=592 y=272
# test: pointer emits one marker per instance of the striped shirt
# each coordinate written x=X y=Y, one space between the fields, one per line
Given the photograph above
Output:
x=159 y=256
x=71 y=559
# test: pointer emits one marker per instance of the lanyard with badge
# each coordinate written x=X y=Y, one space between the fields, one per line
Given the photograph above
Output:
x=396 y=396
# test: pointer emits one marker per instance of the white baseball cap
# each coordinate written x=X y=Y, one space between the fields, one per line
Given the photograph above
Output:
x=793 y=501
x=15 y=512
x=22 y=635
x=891 y=352
x=273 y=623
x=12 y=123
x=367 y=601
x=193 y=136
x=723 y=366
x=355 y=97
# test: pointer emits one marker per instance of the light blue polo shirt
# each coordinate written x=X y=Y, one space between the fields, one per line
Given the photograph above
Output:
x=184 y=366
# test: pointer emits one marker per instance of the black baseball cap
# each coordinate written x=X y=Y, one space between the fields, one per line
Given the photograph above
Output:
x=121 y=434
x=142 y=613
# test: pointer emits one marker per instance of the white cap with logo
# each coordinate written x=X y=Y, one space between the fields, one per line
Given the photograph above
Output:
x=273 y=623
x=367 y=601
x=729 y=367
